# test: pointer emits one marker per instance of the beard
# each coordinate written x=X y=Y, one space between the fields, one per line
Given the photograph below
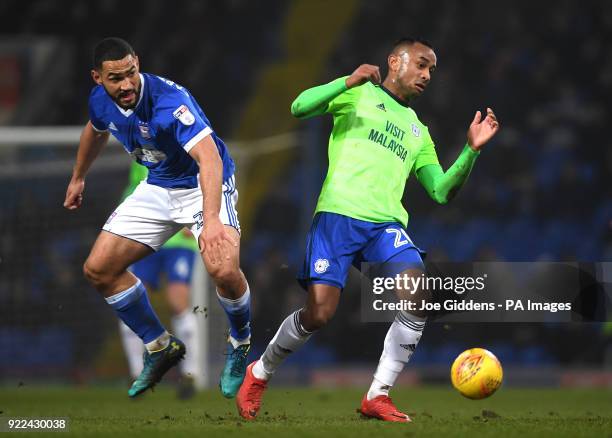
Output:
x=122 y=104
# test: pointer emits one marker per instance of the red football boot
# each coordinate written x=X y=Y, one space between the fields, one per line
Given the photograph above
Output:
x=248 y=399
x=382 y=407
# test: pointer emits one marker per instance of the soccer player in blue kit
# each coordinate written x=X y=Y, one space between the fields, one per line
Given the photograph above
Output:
x=190 y=184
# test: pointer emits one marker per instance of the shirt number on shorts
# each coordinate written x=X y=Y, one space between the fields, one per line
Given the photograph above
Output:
x=401 y=237
x=199 y=219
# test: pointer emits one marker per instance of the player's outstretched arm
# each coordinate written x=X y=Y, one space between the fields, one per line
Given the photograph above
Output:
x=313 y=102
x=443 y=186
x=90 y=144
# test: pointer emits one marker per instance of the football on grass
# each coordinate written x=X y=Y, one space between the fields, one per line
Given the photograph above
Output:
x=476 y=373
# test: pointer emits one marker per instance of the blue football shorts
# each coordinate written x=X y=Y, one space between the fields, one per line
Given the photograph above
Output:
x=335 y=242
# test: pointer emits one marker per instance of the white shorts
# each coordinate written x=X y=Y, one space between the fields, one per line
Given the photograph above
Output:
x=151 y=214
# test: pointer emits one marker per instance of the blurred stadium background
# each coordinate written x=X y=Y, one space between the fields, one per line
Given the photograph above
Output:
x=541 y=191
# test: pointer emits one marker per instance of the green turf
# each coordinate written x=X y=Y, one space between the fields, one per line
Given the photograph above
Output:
x=95 y=411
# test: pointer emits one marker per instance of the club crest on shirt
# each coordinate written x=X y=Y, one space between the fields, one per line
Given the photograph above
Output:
x=184 y=116
x=415 y=130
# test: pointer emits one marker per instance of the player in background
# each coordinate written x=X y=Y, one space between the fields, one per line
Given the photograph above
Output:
x=190 y=184
x=174 y=261
x=377 y=141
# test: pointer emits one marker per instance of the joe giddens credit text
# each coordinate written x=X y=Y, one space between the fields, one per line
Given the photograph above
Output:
x=458 y=285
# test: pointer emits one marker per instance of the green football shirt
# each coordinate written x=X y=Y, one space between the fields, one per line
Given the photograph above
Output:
x=376 y=142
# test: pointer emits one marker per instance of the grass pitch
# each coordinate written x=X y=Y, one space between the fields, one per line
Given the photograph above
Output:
x=303 y=412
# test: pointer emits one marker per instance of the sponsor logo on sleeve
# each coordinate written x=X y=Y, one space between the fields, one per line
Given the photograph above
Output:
x=183 y=115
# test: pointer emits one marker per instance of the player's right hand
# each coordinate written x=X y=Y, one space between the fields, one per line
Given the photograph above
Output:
x=214 y=241
x=363 y=74
x=74 y=194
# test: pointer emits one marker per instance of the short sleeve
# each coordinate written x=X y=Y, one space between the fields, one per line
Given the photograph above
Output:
x=186 y=123
x=427 y=155
x=97 y=124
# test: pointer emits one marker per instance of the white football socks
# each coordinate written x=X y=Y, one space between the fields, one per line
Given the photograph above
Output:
x=158 y=344
x=400 y=342
x=289 y=338
x=133 y=347
x=185 y=327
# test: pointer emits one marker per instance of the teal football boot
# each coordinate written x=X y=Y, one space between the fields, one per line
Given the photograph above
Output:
x=234 y=370
x=156 y=365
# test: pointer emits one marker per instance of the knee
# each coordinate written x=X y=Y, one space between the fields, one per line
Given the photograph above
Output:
x=225 y=277
x=317 y=317
x=95 y=274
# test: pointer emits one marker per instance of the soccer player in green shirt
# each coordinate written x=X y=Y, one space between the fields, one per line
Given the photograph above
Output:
x=376 y=143
x=174 y=261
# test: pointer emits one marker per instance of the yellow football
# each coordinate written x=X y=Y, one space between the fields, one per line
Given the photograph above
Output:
x=476 y=373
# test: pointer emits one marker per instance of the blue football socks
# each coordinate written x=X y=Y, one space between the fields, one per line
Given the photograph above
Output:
x=134 y=309
x=238 y=313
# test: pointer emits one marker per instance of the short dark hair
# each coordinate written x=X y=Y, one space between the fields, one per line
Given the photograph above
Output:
x=111 y=49
x=409 y=40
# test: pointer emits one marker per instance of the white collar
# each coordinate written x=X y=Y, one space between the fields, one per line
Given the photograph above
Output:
x=129 y=112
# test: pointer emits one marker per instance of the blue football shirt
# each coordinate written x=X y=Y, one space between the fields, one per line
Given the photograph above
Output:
x=159 y=132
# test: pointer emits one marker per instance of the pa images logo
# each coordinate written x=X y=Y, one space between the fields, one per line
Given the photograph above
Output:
x=321 y=266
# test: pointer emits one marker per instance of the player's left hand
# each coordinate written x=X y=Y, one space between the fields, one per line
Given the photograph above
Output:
x=214 y=241
x=480 y=132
